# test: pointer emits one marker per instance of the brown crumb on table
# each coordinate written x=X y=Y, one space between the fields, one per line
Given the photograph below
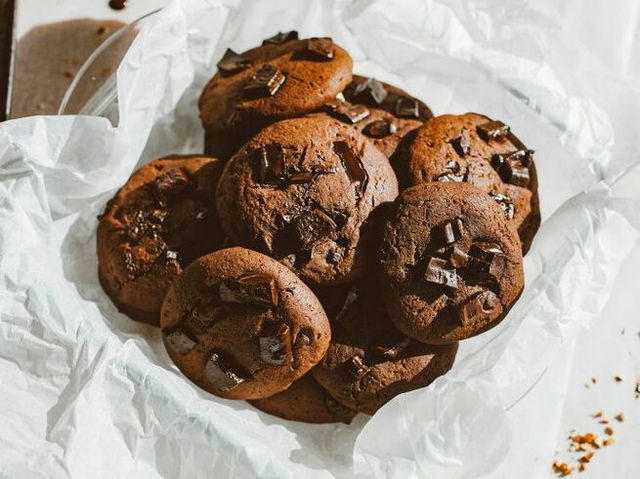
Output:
x=608 y=431
x=637 y=390
x=609 y=442
x=598 y=414
x=586 y=458
x=593 y=380
x=603 y=421
x=620 y=417
x=562 y=469
x=618 y=379
x=68 y=74
x=581 y=467
x=102 y=30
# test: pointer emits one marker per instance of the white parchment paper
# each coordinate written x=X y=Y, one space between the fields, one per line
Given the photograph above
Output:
x=87 y=393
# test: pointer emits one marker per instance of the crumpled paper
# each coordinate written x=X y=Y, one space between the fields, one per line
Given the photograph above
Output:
x=88 y=393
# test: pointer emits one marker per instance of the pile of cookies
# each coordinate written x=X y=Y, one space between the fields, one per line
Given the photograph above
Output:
x=332 y=245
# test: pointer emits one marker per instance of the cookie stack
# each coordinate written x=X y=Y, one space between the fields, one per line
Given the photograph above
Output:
x=334 y=244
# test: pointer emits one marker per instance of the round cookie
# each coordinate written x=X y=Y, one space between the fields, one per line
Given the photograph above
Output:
x=478 y=150
x=383 y=96
x=162 y=219
x=242 y=326
x=302 y=191
x=369 y=361
x=283 y=78
x=306 y=401
x=385 y=130
x=450 y=264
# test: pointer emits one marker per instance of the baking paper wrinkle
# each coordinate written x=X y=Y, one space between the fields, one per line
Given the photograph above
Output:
x=88 y=393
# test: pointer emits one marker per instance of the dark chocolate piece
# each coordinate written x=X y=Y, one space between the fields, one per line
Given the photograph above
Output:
x=169 y=184
x=391 y=352
x=202 y=317
x=232 y=63
x=437 y=273
x=275 y=343
x=451 y=231
x=179 y=340
x=371 y=92
x=280 y=38
x=171 y=255
x=271 y=164
x=513 y=167
x=356 y=367
x=407 y=107
x=318 y=49
x=492 y=130
x=379 y=129
x=458 y=258
x=258 y=289
x=348 y=113
x=223 y=372
x=303 y=338
x=461 y=145
x=505 y=203
x=478 y=307
x=352 y=165
x=312 y=226
x=118 y=4
x=487 y=259
x=265 y=82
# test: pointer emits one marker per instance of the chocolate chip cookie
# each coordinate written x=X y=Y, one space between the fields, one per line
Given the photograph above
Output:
x=306 y=401
x=450 y=263
x=302 y=191
x=284 y=78
x=369 y=361
x=242 y=326
x=162 y=219
x=473 y=148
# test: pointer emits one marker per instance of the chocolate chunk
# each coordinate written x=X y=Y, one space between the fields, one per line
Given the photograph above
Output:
x=356 y=367
x=407 y=108
x=275 y=343
x=169 y=184
x=389 y=352
x=458 y=258
x=178 y=340
x=352 y=165
x=303 y=338
x=271 y=167
x=312 y=226
x=223 y=372
x=232 y=63
x=348 y=113
x=379 y=129
x=451 y=231
x=513 y=167
x=437 y=273
x=492 y=130
x=258 y=289
x=450 y=177
x=487 y=259
x=461 y=145
x=318 y=49
x=505 y=203
x=265 y=82
x=202 y=317
x=334 y=257
x=453 y=166
x=371 y=92
x=480 y=306
x=280 y=38
x=517 y=175
x=171 y=255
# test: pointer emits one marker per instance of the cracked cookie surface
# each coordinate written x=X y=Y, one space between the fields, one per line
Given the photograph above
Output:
x=162 y=219
x=449 y=264
x=242 y=326
x=302 y=191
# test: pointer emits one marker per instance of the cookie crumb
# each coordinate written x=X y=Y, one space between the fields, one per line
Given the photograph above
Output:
x=609 y=442
x=102 y=30
x=603 y=421
x=608 y=431
x=617 y=379
x=586 y=458
x=598 y=414
x=593 y=380
x=620 y=417
x=562 y=468
x=68 y=74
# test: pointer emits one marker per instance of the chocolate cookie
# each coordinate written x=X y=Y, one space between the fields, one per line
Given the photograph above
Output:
x=369 y=361
x=301 y=191
x=162 y=219
x=478 y=150
x=383 y=96
x=283 y=78
x=450 y=264
x=385 y=130
x=242 y=326
x=305 y=400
